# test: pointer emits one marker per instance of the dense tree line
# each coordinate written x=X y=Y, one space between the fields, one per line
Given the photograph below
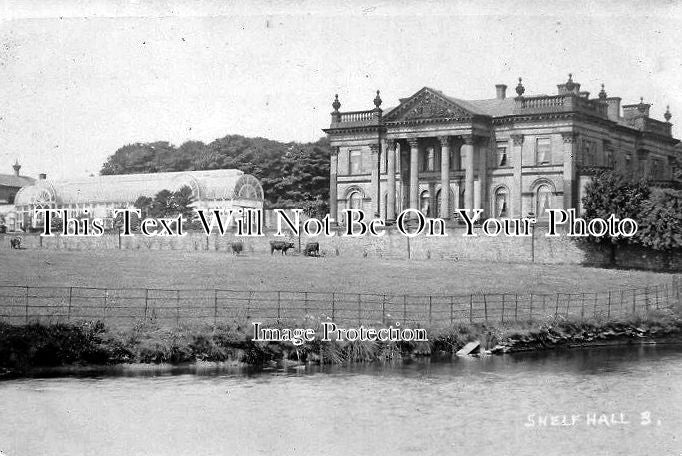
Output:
x=292 y=174
x=657 y=211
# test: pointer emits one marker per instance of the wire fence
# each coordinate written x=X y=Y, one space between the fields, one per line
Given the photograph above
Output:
x=124 y=307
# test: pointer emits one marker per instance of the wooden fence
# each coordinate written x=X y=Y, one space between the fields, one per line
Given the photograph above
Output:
x=168 y=307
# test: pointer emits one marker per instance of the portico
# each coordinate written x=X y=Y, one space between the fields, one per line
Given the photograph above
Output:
x=447 y=165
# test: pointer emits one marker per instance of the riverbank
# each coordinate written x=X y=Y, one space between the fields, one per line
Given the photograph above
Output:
x=66 y=348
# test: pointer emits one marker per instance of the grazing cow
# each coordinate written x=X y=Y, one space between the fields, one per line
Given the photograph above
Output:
x=237 y=247
x=15 y=243
x=280 y=245
x=312 y=249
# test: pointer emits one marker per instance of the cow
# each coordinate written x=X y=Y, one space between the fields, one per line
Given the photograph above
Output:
x=15 y=243
x=280 y=245
x=237 y=247
x=312 y=249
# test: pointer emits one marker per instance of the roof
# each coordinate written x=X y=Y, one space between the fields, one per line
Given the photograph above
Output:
x=493 y=107
x=12 y=180
x=205 y=185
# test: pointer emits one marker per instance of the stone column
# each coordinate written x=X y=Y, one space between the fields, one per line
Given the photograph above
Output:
x=444 y=177
x=333 y=169
x=390 y=179
x=569 y=157
x=517 y=189
x=374 y=179
x=468 y=151
x=483 y=153
x=414 y=173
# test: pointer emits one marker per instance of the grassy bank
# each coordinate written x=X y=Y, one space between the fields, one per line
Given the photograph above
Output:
x=24 y=348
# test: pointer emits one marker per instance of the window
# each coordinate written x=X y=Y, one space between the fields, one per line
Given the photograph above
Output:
x=543 y=200
x=543 y=151
x=355 y=162
x=355 y=200
x=588 y=153
x=609 y=158
x=424 y=201
x=502 y=155
x=501 y=206
x=656 y=169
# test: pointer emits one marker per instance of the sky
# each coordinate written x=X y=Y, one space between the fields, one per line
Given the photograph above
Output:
x=80 y=79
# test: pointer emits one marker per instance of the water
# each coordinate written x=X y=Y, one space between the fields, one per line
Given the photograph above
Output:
x=460 y=406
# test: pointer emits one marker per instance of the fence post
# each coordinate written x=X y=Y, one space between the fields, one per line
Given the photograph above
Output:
x=595 y=303
x=530 y=310
x=146 y=302
x=646 y=299
x=657 y=287
x=544 y=305
x=333 y=306
x=516 y=307
x=215 y=306
x=622 y=300
x=383 y=311
x=503 y=295
x=430 y=307
x=471 y=308
x=68 y=311
x=485 y=306
x=608 y=309
x=177 y=307
x=452 y=316
x=305 y=300
x=27 y=302
x=359 y=309
x=582 y=306
x=104 y=305
x=556 y=311
x=634 y=301
x=279 y=305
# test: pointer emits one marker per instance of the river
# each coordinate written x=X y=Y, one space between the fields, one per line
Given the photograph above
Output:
x=603 y=401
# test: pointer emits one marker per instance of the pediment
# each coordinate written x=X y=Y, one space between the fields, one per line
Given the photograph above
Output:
x=427 y=104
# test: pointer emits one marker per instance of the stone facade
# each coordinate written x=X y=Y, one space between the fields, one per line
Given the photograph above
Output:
x=507 y=156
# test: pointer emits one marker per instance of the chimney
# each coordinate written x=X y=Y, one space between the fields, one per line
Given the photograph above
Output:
x=42 y=176
x=636 y=110
x=501 y=90
x=613 y=108
x=17 y=168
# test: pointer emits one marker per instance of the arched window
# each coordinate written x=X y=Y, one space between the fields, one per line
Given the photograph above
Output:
x=501 y=203
x=544 y=199
x=424 y=203
x=355 y=200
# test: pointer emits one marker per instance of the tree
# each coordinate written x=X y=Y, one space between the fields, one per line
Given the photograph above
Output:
x=610 y=192
x=661 y=226
x=291 y=173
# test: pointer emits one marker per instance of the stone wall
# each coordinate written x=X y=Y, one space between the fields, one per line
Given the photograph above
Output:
x=393 y=245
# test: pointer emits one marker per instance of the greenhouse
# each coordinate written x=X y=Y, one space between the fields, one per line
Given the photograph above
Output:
x=100 y=196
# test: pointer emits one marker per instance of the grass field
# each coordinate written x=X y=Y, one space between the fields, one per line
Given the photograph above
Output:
x=198 y=270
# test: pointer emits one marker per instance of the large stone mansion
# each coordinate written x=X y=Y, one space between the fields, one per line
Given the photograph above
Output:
x=507 y=156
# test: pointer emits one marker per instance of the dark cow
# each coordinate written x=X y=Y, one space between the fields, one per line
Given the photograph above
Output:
x=15 y=243
x=312 y=249
x=237 y=247
x=280 y=245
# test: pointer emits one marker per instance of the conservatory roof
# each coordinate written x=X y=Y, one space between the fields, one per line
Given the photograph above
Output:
x=220 y=184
